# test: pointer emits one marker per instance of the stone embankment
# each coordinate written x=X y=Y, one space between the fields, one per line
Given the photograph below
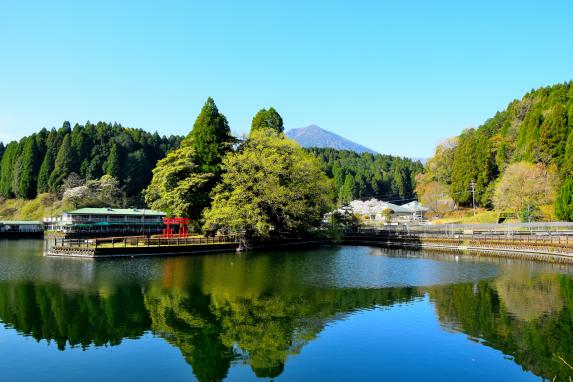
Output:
x=551 y=248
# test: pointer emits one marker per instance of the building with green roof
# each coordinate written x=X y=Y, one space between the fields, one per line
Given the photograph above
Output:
x=107 y=221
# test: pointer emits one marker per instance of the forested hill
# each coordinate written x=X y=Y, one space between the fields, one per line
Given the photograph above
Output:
x=41 y=162
x=531 y=138
x=368 y=175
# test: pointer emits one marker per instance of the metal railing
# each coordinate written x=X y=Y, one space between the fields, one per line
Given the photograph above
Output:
x=508 y=229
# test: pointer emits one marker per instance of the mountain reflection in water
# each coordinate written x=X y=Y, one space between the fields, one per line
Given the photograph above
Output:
x=220 y=310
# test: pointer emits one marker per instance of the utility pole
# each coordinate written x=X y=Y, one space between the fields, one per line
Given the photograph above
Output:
x=473 y=186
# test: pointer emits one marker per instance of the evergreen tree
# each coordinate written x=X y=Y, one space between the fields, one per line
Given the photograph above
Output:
x=62 y=166
x=348 y=190
x=267 y=119
x=473 y=162
x=136 y=172
x=47 y=165
x=553 y=135
x=112 y=165
x=27 y=181
x=210 y=138
x=564 y=201
x=8 y=160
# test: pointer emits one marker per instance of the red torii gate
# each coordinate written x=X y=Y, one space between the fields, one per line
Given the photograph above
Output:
x=182 y=223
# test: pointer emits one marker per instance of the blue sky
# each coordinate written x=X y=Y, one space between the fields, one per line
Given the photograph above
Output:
x=396 y=76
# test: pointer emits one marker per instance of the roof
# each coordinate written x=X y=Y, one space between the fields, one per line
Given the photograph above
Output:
x=415 y=206
x=374 y=206
x=116 y=211
x=21 y=222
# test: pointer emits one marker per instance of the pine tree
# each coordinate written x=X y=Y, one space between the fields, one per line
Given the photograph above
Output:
x=348 y=190
x=267 y=119
x=62 y=166
x=112 y=165
x=27 y=181
x=47 y=165
x=7 y=166
x=210 y=138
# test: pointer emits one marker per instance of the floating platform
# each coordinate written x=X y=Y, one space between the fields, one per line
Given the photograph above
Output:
x=141 y=246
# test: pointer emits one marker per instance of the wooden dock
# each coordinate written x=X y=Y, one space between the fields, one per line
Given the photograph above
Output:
x=140 y=246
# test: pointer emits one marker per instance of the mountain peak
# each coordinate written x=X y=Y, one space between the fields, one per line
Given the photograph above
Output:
x=315 y=136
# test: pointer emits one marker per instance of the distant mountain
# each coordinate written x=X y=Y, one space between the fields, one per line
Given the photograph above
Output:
x=314 y=136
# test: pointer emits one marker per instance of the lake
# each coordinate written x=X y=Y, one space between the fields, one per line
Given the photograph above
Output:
x=336 y=313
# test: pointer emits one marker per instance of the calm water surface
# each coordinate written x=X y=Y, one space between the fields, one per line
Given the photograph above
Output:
x=339 y=313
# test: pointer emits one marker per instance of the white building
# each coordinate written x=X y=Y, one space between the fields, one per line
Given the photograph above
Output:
x=107 y=221
x=373 y=209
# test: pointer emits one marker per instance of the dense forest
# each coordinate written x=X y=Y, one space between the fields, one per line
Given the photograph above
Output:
x=107 y=164
x=42 y=162
x=369 y=175
x=525 y=150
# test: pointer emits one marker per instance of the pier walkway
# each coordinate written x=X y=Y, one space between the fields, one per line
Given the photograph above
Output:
x=141 y=246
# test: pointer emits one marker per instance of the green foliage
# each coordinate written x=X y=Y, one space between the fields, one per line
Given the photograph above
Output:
x=564 y=201
x=62 y=165
x=90 y=151
x=267 y=119
x=112 y=165
x=537 y=128
x=48 y=162
x=8 y=161
x=368 y=175
x=210 y=138
x=270 y=187
x=178 y=186
x=348 y=191
x=27 y=182
x=473 y=162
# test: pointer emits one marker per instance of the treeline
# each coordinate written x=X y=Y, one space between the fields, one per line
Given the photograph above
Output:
x=41 y=162
x=532 y=137
x=369 y=175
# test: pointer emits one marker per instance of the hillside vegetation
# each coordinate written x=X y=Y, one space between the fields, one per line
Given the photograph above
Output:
x=369 y=175
x=520 y=161
x=36 y=209
x=42 y=162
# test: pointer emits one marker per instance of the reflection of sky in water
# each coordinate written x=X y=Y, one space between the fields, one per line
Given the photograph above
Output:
x=365 y=267
x=335 y=313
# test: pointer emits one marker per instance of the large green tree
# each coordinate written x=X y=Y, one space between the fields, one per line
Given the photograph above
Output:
x=267 y=119
x=62 y=166
x=210 y=138
x=564 y=201
x=178 y=186
x=47 y=165
x=112 y=165
x=473 y=162
x=8 y=160
x=27 y=181
x=182 y=181
x=270 y=187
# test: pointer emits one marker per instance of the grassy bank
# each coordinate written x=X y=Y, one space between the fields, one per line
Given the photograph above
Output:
x=19 y=209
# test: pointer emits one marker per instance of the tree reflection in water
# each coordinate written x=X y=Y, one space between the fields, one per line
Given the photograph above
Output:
x=219 y=312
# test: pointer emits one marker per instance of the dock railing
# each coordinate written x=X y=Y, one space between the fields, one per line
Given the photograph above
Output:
x=142 y=241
